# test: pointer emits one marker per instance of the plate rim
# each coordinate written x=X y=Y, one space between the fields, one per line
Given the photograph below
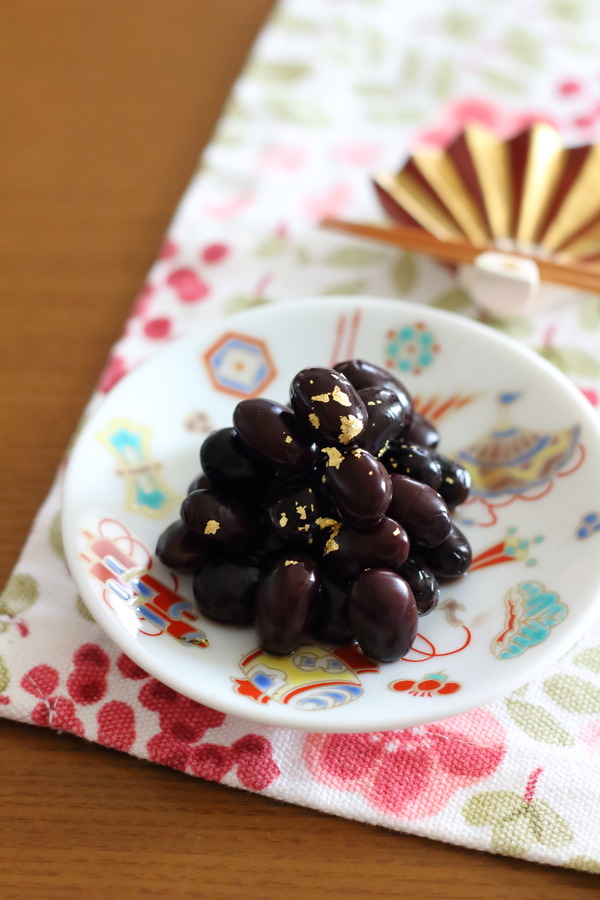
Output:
x=267 y=714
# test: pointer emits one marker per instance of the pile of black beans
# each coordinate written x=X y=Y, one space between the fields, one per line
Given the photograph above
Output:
x=328 y=519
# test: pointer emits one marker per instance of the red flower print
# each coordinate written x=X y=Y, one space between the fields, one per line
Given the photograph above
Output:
x=158 y=328
x=129 y=669
x=168 y=249
x=183 y=723
x=52 y=711
x=214 y=253
x=116 y=725
x=188 y=286
x=414 y=773
x=569 y=87
x=114 y=370
x=87 y=682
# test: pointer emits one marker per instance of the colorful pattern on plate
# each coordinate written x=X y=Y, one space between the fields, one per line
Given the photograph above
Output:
x=121 y=564
x=411 y=348
x=588 y=525
x=239 y=364
x=511 y=460
x=433 y=683
x=532 y=611
x=146 y=492
x=310 y=679
x=511 y=548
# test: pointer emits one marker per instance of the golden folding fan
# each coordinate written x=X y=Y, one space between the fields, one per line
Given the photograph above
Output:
x=516 y=211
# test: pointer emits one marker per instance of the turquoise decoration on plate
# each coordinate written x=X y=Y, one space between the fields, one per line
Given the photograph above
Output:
x=411 y=348
x=532 y=611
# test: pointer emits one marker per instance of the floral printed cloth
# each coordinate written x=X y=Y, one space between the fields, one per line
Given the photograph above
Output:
x=334 y=90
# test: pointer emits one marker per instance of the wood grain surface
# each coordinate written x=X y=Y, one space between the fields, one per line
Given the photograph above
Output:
x=105 y=107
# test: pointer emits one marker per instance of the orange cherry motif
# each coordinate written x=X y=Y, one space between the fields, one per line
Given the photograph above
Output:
x=432 y=683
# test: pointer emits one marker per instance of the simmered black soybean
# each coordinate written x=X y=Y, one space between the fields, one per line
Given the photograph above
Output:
x=357 y=484
x=383 y=614
x=420 y=509
x=271 y=432
x=225 y=588
x=286 y=600
x=328 y=406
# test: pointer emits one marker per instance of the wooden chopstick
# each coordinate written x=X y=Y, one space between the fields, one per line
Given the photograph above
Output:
x=416 y=240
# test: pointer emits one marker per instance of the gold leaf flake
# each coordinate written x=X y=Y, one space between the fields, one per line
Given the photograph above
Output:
x=350 y=426
x=340 y=396
x=288 y=439
x=283 y=520
x=314 y=420
x=320 y=398
x=291 y=562
x=212 y=526
x=334 y=457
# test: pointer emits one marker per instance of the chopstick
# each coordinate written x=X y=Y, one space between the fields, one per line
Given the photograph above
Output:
x=416 y=240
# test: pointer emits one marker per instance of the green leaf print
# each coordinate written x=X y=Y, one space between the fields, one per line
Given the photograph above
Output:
x=500 y=81
x=589 y=312
x=19 y=595
x=455 y=300
x=290 y=22
x=523 y=47
x=460 y=24
x=271 y=246
x=538 y=723
x=589 y=659
x=571 y=360
x=83 y=610
x=278 y=71
x=297 y=111
x=354 y=256
x=347 y=287
x=517 y=823
x=410 y=68
x=573 y=694
x=514 y=327
x=241 y=301
x=444 y=78
x=403 y=273
x=568 y=10
x=4 y=676
x=55 y=536
x=585 y=863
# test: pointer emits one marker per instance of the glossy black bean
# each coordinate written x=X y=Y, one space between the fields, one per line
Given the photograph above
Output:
x=286 y=599
x=421 y=511
x=200 y=482
x=415 y=461
x=348 y=551
x=383 y=614
x=386 y=418
x=450 y=559
x=271 y=432
x=328 y=406
x=357 y=484
x=228 y=465
x=225 y=587
x=217 y=520
x=330 y=623
x=362 y=374
x=293 y=514
x=422 y=583
x=179 y=548
x=456 y=482
x=421 y=431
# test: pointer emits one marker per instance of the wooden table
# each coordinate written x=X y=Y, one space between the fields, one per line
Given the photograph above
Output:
x=105 y=107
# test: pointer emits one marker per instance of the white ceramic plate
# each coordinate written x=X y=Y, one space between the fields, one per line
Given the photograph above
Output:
x=531 y=439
